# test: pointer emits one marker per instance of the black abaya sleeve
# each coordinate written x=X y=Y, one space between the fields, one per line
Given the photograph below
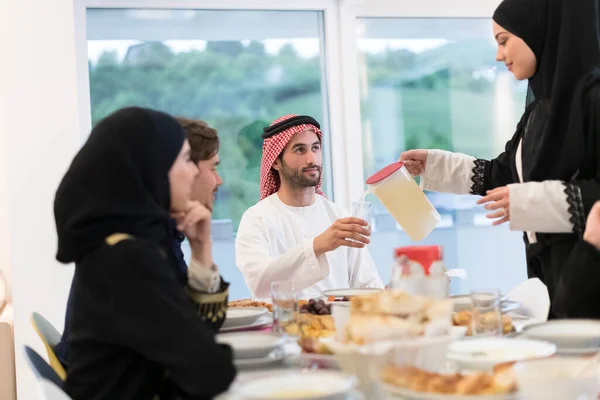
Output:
x=584 y=191
x=577 y=294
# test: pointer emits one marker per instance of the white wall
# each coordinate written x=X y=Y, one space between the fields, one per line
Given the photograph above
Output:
x=40 y=135
x=4 y=231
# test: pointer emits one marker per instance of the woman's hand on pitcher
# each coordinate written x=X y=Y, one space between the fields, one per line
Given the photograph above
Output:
x=497 y=200
x=414 y=161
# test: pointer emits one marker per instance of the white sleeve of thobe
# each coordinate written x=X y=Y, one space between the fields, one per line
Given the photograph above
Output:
x=260 y=268
x=448 y=172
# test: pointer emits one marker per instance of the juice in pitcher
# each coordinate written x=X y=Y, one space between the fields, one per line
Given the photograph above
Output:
x=397 y=190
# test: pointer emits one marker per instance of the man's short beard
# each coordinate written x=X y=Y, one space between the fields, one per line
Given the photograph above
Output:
x=296 y=178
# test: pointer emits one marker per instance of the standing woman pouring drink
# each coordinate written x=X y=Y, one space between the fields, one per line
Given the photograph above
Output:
x=548 y=177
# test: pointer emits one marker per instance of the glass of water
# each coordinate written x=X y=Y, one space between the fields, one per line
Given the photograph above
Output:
x=285 y=307
x=487 y=318
x=362 y=210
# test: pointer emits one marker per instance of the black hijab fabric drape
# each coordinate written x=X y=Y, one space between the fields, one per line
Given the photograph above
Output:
x=118 y=182
x=563 y=34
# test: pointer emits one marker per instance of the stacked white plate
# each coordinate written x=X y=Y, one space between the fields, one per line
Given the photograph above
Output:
x=245 y=318
x=253 y=348
x=571 y=336
x=311 y=385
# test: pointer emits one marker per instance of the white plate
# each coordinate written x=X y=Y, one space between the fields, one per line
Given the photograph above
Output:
x=262 y=322
x=243 y=316
x=555 y=378
x=408 y=394
x=482 y=354
x=572 y=334
x=350 y=292
x=250 y=344
x=311 y=385
x=272 y=358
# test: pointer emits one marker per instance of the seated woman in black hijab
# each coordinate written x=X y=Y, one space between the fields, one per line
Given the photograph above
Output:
x=577 y=289
x=134 y=332
x=548 y=177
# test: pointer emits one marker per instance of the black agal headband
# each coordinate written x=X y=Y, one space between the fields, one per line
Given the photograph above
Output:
x=279 y=127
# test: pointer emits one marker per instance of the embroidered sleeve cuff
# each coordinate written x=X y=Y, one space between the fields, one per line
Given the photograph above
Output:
x=448 y=172
x=576 y=212
x=539 y=207
x=478 y=176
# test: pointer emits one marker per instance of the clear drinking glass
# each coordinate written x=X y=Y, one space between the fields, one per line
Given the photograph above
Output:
x=362 y=210
x=487 y=318
x=285 y=306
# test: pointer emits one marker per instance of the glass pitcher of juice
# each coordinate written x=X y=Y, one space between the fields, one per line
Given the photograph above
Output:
x=397 y=190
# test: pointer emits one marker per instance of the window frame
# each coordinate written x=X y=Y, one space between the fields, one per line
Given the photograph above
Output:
x=332 y=84
x=350 y=10
x=340 y=55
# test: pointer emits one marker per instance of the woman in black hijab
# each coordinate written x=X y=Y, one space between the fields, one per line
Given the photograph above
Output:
x=135 y=332
x=548 y=177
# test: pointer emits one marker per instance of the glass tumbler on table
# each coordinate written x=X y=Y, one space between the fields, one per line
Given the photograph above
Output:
x=285 y=306
x=362 y=210
x=487 y=318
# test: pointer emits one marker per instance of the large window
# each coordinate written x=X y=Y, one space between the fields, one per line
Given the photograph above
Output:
x=236 y=70
x=395 y=75
x=434 y=83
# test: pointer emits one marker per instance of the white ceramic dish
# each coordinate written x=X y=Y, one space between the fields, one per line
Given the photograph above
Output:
x=567 y=335
x=243 y=316
x=311 y=385
x=350 y=292
x=552 y=378
x=262 y=322
x=482 y=354
x=250 y=344
x=407 y=394
x=273 y=358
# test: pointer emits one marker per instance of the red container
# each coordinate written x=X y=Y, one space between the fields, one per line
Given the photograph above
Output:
x=412 y=258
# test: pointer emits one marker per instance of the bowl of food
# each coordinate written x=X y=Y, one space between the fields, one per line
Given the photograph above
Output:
x=391 y=327
x=414 y=383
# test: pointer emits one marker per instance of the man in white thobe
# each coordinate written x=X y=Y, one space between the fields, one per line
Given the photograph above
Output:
x=294 y=233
